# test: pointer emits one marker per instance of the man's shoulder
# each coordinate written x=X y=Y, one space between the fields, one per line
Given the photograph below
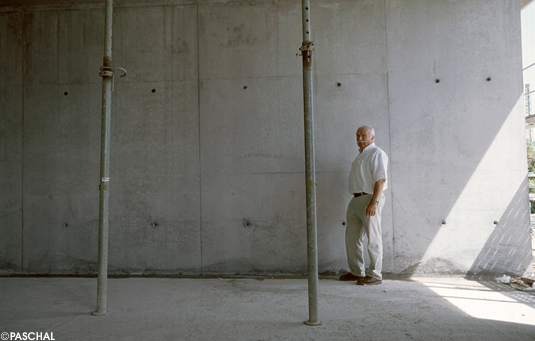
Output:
x=377 y=152
x=375 y=149
x=371 y=151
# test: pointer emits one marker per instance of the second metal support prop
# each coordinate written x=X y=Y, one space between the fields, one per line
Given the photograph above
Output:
x=312 y=241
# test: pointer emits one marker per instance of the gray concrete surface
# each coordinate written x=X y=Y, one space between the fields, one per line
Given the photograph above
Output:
x=207 y=153
x=268 y=309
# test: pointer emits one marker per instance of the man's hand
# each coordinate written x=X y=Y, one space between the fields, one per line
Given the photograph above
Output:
x=371 y=209
x=377 y=191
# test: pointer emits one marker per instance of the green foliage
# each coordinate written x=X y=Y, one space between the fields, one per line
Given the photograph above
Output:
x=531 y=156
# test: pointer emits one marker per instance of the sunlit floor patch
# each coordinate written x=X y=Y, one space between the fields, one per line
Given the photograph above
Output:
x=485 y=299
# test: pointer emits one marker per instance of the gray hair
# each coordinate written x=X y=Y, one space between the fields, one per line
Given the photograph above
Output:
x=370 y=129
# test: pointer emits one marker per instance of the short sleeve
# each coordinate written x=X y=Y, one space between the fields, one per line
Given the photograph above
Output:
x=379 y=166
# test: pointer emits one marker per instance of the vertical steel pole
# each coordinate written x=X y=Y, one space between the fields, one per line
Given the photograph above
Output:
x=307 y=48
x=106 y=73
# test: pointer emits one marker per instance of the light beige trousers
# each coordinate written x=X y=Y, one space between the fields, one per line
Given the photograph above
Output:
x=358 y=227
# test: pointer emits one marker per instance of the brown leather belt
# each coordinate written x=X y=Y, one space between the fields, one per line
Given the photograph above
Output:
x=356 y=195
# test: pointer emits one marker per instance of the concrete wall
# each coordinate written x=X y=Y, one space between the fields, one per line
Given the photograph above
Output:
x=207 y=153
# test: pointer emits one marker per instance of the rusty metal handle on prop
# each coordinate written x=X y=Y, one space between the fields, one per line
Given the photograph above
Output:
x=107 y=71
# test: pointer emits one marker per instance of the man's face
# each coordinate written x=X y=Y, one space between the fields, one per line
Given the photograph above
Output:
x=364 y=138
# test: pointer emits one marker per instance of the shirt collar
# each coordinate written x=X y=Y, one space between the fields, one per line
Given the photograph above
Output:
x=368 y=147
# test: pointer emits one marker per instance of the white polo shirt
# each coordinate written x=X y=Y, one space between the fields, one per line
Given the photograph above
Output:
x=368 y=167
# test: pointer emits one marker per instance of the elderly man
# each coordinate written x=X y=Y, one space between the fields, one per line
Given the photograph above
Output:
x=367 y=181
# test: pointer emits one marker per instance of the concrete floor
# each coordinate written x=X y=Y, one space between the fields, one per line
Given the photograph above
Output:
x=268 y=309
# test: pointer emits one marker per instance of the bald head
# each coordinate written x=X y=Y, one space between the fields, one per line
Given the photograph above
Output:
x=365 y=137
x=368 y=129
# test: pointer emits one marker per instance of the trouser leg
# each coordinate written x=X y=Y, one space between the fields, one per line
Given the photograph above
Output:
x=354 y=236
x=375 y=242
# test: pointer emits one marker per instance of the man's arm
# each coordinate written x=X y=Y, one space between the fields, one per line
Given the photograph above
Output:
x=377 y=191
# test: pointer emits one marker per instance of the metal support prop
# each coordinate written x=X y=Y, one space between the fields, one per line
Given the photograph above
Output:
x=106 y=72
x=312 y=241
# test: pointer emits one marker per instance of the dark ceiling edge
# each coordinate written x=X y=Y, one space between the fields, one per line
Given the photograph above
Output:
x=52 y=5
x=14 y=5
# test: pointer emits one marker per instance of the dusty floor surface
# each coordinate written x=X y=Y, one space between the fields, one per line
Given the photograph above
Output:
x=270 y=309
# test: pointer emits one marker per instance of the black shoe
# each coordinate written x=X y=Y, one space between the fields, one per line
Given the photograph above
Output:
x=350 y=277
x=369 y=281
